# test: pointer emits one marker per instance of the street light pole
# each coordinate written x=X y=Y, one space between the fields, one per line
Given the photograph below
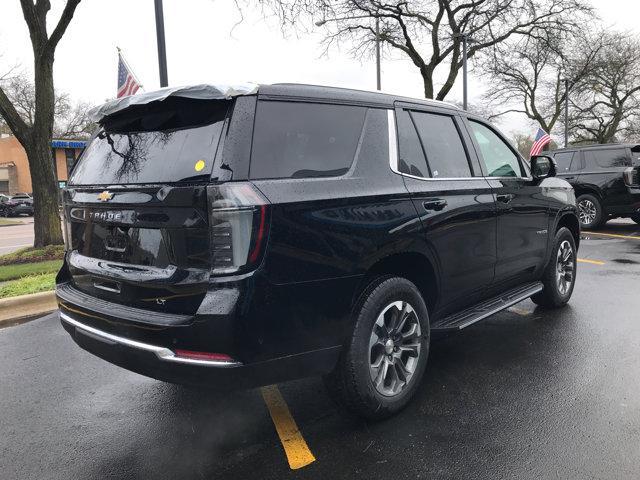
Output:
x=378 y=74
x=162 y=49
x=464 y=71
x=566 y=112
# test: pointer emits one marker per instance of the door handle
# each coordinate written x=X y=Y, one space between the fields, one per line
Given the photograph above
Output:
x=505 y=197
x=436 y=205
x=572 y=177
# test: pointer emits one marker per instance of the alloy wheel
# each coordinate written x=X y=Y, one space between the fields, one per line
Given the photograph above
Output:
x=565 y=266
x=394 y=348
x=587 y=212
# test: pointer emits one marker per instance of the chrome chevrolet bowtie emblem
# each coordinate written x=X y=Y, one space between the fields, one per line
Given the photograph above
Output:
x=105 y=196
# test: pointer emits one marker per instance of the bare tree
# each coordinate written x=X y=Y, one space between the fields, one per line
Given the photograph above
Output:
x=607 y=101
x=36 y=138
x=527 y=76
x=430 y=32
x=70 y=119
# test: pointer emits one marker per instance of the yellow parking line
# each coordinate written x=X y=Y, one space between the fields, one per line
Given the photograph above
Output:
x=296 y=449
x=520 y=311
x=592 y=262
x=614 y=235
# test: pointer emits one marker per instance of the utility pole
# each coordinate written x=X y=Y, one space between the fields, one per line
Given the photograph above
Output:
x=162 y=49
x=566 y=112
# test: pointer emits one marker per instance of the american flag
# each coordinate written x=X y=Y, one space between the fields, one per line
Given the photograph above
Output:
x=541 y=140
x=127 y=82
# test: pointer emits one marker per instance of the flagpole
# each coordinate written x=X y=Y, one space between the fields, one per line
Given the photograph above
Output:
x=124 y=60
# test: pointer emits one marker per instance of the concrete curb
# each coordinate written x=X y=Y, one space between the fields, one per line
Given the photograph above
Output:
x=13 y=309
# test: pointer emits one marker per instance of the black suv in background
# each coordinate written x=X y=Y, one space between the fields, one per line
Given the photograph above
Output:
x=241 y=236
x=606 y=179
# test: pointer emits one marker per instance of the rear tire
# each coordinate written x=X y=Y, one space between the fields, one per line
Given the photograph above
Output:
x=590 y=211
x=559 y=276
x=384 y=361
x=636 y=218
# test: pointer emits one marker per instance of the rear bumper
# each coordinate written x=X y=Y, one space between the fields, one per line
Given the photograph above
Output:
x=162 y=364
x=145 y=341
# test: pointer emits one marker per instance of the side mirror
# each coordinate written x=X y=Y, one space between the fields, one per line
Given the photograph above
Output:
x=543 y=166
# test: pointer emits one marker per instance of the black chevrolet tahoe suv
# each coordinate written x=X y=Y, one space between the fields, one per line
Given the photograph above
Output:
x=239 y=236
x=606 y=179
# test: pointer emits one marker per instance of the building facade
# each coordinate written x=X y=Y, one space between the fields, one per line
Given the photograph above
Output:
x=15 y=175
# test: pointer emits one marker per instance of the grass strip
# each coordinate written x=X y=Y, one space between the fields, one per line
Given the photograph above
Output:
x=27 y=285
x=32 y=255
x=20 y=270
x=4 y=221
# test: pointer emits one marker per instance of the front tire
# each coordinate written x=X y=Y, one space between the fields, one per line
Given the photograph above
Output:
x=590 y=212
x=381 y=368
x=636 y=218
x=559 y=276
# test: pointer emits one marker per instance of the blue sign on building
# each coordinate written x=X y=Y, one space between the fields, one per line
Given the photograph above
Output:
x=68 y=144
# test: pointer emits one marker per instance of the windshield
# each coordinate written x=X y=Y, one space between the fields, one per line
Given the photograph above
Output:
x=170 y=149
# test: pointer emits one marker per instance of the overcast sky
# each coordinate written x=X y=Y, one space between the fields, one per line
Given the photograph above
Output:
x=204 y=46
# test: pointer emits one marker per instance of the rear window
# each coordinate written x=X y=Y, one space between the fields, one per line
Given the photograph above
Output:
x=298 y=140
x=160 y=144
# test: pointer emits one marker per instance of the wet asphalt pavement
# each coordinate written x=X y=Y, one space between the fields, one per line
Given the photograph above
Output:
x=526 y=394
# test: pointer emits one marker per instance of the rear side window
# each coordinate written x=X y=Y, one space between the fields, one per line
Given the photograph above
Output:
x=442 y=144
x=298 y=140
x=564 y=162
x=606 y=158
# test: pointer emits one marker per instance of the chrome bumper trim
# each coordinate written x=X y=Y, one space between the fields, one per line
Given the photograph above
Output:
x=163 y=353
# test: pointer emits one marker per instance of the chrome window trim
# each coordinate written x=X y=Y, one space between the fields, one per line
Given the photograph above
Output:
x=164 y=354
x=393 y=141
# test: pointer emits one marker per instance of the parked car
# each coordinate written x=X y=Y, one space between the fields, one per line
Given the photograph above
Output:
x=236 y=237
x=606 y=179
x=15 y=205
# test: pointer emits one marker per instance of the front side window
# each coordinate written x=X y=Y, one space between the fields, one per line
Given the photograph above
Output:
x=606 y=158
x=442 y=145
x=564 y=161
x=499 y=160
x=298 y=140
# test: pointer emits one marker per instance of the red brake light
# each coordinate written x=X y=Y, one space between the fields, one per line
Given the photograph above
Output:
x=216 y=357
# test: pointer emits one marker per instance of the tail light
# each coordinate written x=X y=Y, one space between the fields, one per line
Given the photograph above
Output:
x=631 y=177
x=239 y=224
